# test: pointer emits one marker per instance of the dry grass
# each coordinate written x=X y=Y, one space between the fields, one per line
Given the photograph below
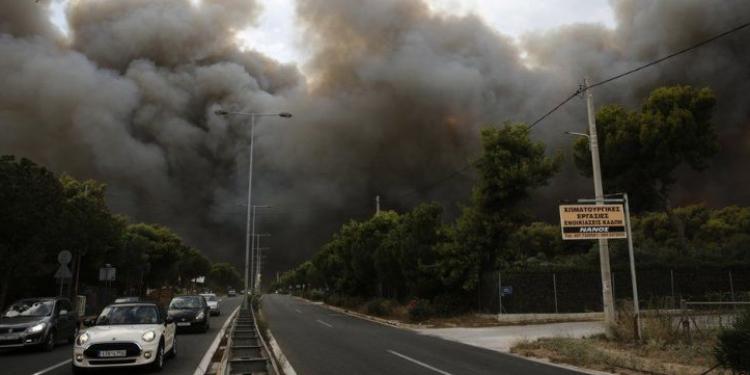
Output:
x=664 y=349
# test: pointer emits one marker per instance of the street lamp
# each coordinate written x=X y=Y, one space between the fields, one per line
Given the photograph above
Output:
x=252 y=115
x=252 y=247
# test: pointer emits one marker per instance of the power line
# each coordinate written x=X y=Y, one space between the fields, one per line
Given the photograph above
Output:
x=644 y=66
x=578 y=92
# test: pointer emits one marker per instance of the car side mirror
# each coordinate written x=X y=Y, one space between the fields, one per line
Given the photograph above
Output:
x=89 y=322
x=168 y=320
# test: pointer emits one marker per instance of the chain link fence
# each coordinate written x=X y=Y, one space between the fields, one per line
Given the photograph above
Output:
x=581 y=291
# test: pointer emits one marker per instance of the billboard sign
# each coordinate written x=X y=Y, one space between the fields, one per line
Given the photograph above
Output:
x=592 y=222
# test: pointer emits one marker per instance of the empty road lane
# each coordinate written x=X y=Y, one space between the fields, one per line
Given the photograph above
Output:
x=318 y=341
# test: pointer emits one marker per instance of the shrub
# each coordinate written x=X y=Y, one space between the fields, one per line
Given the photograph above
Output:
x=379 y=307
x=419 y=310
x=447 y=305
x=316 y=295
x=733 y=349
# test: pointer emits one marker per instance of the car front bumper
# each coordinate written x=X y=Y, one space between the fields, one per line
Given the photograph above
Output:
x=146 y=355
x=20 y=340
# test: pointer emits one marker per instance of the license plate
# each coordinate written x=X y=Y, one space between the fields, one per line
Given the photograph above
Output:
x=112 y=353
x=183 y=324
x=10 y=336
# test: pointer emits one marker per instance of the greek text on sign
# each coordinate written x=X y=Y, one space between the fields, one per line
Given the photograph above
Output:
x=591 y=222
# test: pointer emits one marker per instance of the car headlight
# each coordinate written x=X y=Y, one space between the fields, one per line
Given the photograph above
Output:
x=200 y=316
x=82 y=339
x=36 y=328
x=149 y=336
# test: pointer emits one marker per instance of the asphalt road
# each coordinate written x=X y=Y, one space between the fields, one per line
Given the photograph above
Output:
x=190 y=350
x=319 y=341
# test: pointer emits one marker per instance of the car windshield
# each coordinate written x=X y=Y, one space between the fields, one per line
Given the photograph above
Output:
x=30 y=307
x=185 y=303
x=209 y=297
x=112 y=315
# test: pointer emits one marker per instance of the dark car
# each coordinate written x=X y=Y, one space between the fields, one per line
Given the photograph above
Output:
x=41 y=322
x=231 y=293
x=190 y=313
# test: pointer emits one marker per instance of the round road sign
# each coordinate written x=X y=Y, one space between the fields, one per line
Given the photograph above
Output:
x=64 y=257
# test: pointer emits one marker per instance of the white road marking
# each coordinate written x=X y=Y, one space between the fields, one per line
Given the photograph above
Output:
x=439 y=371
x=48 y=369
x=297 y=310
x=324 y=323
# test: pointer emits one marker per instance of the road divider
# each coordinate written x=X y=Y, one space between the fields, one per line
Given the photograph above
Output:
x=205 y=362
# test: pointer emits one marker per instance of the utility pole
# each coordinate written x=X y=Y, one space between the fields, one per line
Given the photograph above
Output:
x=377 y=205
x=78 y=253
x=607 y=297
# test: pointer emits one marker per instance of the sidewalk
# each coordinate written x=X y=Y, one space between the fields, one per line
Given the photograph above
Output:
x=503 y=338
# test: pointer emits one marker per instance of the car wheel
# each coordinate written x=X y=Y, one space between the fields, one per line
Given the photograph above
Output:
x=50 y=342
x=173 y=351
x=158 y=363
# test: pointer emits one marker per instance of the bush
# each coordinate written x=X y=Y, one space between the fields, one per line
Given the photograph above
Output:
x=733 y=349
x=380 y=307
x=343 y=301
x=316 y=295
x=419 y=310
x=447 y=305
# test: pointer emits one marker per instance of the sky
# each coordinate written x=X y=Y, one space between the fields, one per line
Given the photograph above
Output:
x=277 y=34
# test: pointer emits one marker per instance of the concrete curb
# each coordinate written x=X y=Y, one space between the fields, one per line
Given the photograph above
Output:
x=286 y=367
x=206 y=360
x=374 y=319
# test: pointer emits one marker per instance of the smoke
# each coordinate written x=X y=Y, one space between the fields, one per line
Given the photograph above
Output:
x=390 y=102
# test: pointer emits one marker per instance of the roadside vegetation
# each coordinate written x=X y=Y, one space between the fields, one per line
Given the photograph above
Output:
x=417 y=264
x=43 y=213
x=664 y=349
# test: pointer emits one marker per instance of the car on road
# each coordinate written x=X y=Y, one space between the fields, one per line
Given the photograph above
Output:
x=213 y=303
x=40 y=322
x=126 y=335
x=232 y=293
x=190 y=312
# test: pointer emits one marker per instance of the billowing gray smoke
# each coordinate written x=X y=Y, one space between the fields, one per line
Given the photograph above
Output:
x=392 y=102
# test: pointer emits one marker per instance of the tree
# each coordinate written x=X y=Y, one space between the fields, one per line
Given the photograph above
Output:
x=510 y=167
x=640 y=150
x=193 y=264
x=30 y=204
x=163 y=250
x=224 y=275
x=87 y=228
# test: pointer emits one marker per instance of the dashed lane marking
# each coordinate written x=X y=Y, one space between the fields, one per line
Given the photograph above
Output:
x=439 y=371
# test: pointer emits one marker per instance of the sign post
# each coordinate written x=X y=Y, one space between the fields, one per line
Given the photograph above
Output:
x=63 y=272
x=587 y=221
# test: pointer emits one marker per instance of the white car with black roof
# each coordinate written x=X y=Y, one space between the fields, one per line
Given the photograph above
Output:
x=126 y=335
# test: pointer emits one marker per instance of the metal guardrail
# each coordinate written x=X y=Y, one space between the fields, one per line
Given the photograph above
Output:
x=248 y=353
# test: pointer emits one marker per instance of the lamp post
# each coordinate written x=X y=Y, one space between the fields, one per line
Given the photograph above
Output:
x=252 y=115
x=253 y=246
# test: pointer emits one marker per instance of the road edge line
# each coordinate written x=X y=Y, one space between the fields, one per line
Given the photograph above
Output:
x=368 y=318
x=206 y=360
x=48 y=369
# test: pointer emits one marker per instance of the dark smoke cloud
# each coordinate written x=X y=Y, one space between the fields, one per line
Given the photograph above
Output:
x=392 y=100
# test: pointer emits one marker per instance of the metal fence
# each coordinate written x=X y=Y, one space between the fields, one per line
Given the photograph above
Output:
x=581 y=291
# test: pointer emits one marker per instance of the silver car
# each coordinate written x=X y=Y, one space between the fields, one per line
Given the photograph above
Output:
x=213 y=303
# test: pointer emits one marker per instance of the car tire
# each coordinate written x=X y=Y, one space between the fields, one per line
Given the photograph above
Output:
x=158 y=364
x=50 y=341
x=173 y=351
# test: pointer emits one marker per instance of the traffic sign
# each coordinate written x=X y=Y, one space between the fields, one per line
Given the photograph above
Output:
x=64 y=257
x=63 y=272
x=507 y=291
x=591 y=222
